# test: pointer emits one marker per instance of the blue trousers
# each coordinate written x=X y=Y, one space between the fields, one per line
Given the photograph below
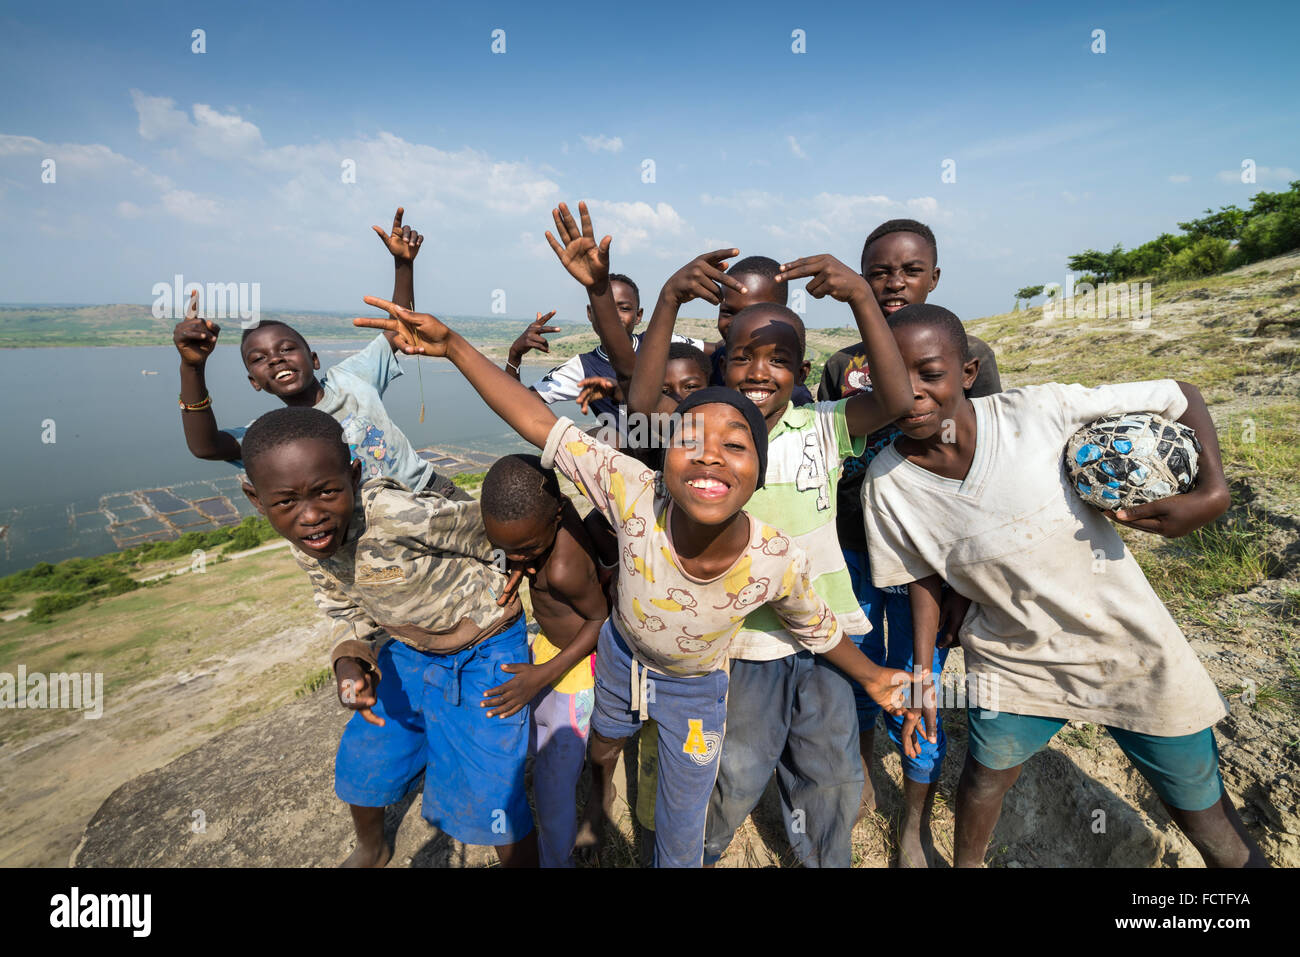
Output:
x=892 y=650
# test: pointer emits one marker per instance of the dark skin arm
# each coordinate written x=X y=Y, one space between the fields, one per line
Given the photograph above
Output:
x=588 y=262
x=532 y=337
x=404 y=243
x=1180 y=515
x=419 y=333
x=356 y=688
x=698 y=279
x=195 y=339
x=924 y=596
x=891 y=394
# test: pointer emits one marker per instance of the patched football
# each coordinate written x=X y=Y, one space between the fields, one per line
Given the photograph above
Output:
x=1126 y=460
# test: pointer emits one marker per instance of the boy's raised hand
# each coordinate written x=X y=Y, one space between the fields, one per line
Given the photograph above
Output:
x=404 y=242
x=533 y=337
x=830 y=277
x=195 y=338
x=356 y=687
x=417 y=333
x=586 y=260
x=700 y=278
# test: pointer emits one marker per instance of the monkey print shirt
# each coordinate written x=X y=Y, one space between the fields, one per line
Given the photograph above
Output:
x=675 y=623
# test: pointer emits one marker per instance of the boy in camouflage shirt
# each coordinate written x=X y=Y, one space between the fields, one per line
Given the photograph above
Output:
x=411 y=584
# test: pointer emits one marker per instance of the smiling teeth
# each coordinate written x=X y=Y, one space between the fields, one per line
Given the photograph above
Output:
x=757 y=396
x=707 y=485
x=284 y=375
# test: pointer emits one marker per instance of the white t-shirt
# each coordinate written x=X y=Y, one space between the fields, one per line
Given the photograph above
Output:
x=1063 y=619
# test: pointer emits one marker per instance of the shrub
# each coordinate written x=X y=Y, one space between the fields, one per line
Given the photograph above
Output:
x=1205 y=256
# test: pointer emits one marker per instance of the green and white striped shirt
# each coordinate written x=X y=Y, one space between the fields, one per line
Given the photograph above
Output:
x=805 y=453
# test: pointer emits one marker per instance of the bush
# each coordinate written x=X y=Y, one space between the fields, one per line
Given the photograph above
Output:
x=1272 y=234
x=249 y=533
x=1207 y=255
x=43 y=608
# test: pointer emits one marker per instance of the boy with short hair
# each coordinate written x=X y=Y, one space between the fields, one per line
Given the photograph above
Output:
x=974 y=493
x=279 y=361
x=758 y=274
x=789 y=712
x=900 y=263
x=542 y=536
x=409 y=580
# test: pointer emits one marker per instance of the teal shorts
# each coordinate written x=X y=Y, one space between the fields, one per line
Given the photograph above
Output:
x=1184 y=770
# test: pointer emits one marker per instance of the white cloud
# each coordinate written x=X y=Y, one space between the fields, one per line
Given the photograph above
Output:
x=633 y=224
x=1263 y=174
x=795 y=148
x=129 y=210
x=211 y=132
x=190 y=207
x=609 y=144
x=1179 y=178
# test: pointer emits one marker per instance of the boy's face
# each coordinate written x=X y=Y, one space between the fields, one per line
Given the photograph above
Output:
x=306 y=493
x=279 y=362
x=900 y=270
x=765 y=362
x=526 y=542
x=681 y=378
x=760 y=289
x=711 y=469
x=939 y=379
x=628 y=304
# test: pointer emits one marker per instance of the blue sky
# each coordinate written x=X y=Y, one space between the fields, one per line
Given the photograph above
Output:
x=226 y=166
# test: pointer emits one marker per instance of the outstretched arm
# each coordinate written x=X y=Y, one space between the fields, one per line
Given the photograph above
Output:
x=891 y=394
x=698 y=279
x=195 y=339
x=404 y=243
x=588 y=262
x=418 y=333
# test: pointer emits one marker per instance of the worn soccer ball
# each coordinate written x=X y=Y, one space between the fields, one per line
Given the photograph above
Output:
x=1126 y=460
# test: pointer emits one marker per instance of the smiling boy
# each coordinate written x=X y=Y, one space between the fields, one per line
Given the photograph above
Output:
x=409 y=581
x=279 y=362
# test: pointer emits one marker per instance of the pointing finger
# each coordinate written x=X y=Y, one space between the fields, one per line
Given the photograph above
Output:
x=397 y=220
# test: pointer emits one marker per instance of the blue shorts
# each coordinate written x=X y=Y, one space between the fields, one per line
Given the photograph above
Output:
x=473 y=765
x=892 y=603
x=1184 y=770
x=692 y=717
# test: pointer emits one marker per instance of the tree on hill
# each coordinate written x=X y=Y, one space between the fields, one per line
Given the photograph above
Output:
x=1027 y=293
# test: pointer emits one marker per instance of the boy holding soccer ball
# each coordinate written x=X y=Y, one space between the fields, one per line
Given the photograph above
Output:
x=1063 y=622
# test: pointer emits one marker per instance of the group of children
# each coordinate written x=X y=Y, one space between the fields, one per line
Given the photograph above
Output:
x=727 y=595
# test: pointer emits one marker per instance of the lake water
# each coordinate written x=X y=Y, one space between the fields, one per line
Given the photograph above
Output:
x=116 y=430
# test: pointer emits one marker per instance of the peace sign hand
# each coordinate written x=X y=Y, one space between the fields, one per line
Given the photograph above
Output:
x=195 y=338
x=586 y=260
x=418 y=333
x=700 y=278
x=404 y=242
x=830 y=277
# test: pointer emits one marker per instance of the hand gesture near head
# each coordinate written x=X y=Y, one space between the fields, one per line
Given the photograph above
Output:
x=830 y=277
x=586 y=260
x=195 y=338
x=416 y=333
x=700 y=278
x=597 y=387
x=404 y=242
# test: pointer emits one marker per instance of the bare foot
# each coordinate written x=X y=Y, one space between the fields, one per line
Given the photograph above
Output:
x=369 y=856
x=591 y=833
x=911 y=853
